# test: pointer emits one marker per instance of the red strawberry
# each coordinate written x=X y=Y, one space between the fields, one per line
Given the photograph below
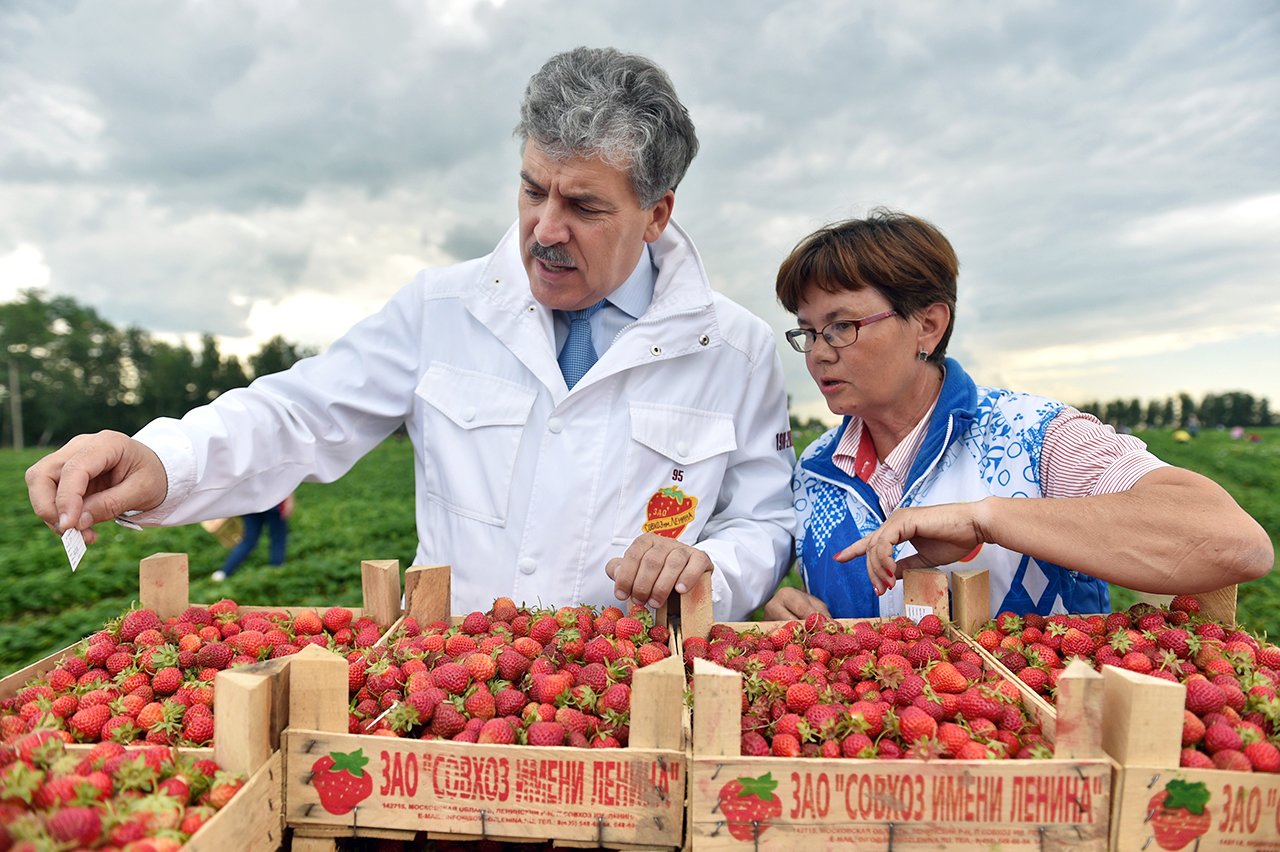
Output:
x=87 y=722
x=1204 y=697
x=497 y=731
x=1263 y=755
x=628 y=628
x=307 y=623
x=545 y=734
x=1221 y=737
x=475 y=623
x=136 y=621
x=453 y=678
x=1184 y=603
x=915 y=724
x=78 y=826
x=944 y=677
x=336 y=617
x=748 y=806
x=341 y=781
x=801 y=696
x=785 y=745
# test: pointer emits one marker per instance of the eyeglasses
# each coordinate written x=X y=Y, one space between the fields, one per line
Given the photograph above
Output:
x=838 y=334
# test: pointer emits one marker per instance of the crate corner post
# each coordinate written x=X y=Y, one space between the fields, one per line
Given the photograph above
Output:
x=164 y=583
x=380 y=585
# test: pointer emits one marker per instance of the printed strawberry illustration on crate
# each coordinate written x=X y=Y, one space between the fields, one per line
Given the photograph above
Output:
x=341 y=781
x=670 y=510
x=748 y=806
x=1179 y=813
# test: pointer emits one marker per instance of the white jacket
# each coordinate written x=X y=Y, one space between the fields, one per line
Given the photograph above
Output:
x=524 y=487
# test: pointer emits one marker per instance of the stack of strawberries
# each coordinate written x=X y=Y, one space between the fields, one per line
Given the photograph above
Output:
x=150 y=798
x=884 y=690
x=1232 y=713
x=543 y=677
x=144 y=679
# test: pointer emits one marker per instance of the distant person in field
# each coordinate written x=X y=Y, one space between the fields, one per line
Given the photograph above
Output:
x=591 y=421
x=930 y=469
x=276 y=521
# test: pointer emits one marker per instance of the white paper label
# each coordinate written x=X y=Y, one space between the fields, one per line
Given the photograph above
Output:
x=915 y=612
x=73 y=543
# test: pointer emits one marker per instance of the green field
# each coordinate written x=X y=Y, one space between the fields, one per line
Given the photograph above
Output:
x=368 y=514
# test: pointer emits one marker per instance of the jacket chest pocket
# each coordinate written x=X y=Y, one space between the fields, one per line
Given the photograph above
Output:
x=472 y=426
x=673 y=471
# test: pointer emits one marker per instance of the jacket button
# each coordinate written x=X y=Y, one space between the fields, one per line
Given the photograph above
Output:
x=656 y=350
x=682 y=450
x=527 y=565
x=555 y=425
x=468 y=414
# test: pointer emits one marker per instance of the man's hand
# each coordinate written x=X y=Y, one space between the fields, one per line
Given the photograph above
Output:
x=95 y=478
x=789 y=603
x=940 y=534
x=653 y=566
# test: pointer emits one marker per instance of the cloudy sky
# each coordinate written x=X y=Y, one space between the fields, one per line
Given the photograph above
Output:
x=1108 y=172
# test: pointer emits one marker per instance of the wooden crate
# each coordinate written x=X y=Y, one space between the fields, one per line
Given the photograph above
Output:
x=1143 y=732
x=163 y=586
x=251 y=704
x=618 y=798
x=1062 y=803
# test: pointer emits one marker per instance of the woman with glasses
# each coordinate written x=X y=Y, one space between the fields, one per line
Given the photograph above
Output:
x=930 y=469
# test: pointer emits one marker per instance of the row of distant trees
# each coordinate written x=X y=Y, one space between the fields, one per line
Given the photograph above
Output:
x=1233 y=408
x=65 y=370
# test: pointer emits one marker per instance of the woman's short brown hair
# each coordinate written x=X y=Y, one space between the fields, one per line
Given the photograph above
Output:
x=905 y=259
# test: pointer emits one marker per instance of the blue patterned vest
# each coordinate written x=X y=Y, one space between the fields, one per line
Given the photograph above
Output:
x=980 y=442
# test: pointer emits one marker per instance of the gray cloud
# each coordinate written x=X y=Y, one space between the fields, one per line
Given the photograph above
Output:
x=1107 y=173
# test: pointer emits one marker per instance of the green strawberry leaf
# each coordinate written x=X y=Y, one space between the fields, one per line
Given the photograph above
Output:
x=762 y=787
x=672 y=492
x=353 y=762
x=1191 y=797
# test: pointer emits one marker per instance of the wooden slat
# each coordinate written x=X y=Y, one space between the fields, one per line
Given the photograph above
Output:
x=609 y=796
x=927 y=587
x=696 y=616
x=380 y=583
x=657 y=691
x=1143 y=718
x=1220 y=605
x=241 y=737
x=318 y=690
x=1078 y=707
x=970 y=598
x=717 y=710
x=163 y=584
x=427 y=593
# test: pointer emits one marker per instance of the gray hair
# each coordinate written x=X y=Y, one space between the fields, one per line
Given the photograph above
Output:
x=620 y=107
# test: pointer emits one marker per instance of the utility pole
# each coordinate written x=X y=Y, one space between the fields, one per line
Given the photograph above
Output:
x=15 y=404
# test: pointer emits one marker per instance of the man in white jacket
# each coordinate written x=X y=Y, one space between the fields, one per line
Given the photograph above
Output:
x=591 y=421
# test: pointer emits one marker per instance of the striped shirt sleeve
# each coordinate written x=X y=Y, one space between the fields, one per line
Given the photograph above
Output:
x=1084 y=458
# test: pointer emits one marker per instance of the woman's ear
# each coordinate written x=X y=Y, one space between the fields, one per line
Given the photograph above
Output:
x=933 y=324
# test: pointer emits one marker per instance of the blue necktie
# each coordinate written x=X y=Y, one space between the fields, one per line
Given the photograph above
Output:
x=578 y=353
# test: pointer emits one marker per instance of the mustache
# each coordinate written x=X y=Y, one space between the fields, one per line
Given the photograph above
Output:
x=551 y=254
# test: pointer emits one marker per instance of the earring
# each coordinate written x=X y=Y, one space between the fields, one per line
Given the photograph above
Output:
x=922 y=356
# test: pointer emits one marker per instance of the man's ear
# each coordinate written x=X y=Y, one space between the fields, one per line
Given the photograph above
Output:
x=661 y=215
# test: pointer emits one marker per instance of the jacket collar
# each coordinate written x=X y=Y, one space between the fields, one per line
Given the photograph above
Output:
x=956 y=409
x=681 y=284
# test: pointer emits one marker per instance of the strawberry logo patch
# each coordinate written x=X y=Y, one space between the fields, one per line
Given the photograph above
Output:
x=341 y=781
x=1179 y=814
x=748 y=805
x=669 y=511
